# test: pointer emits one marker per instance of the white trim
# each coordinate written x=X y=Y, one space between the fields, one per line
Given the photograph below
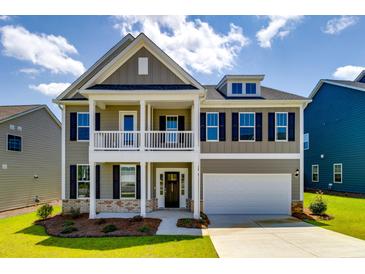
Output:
x=254 y=127
x=248 y=156
x=135 y=181
x=77 y=181
x=161 y=198
x=301 y=151
x=334 y=173
x=7 y=144
x=253 y=103
x=122 y=113
x=206 y=126
x=316 y=181
x=286 y=127
x=321 y=82
x=257 y=77
x=77 y=126
x=360 y=76
x=63 y=154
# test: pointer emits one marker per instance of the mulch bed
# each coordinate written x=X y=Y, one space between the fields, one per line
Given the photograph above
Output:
x=308 y=215
x=201 y=223
x=93 y=228
x=337 y=193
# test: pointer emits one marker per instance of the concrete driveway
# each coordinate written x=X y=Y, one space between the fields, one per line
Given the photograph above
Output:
x=247 y=236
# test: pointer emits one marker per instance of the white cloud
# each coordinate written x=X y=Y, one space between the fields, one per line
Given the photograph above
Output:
x=338 y=24
x=51 y=89
x=348 y=72
x=279 y=26
x=193 y=44
x=30 y=71
x=48 y=51
x=4 y=17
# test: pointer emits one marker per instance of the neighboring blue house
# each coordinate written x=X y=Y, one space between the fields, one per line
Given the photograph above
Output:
x=334 y=140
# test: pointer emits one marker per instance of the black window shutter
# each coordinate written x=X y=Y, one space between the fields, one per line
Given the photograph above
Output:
x=271 y=126
x=222 y=126
x=116 y=182
x=97 y=121
x=258 y=124
x=203 y=131
x=73 y=126
x=138 y=187
x=97 y=181
x=162 y=123
x=181 y=122
x=235 y=126
x=73 y=183
x=291 y=126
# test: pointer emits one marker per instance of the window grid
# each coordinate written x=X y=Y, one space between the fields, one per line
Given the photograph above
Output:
x=83 y=126
x=315 y=173
x=281 y=126
x=247 y=126
x=128 y=182
x=250 y=88
x=212 y=126
x=83 y=181
x=306 y=141
x=14 y=143
x=337 y=173
x=237 y=88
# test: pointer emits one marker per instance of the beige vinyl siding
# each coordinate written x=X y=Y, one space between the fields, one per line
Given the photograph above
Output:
x=158 y=73
x=253 y=167
x=263 y=146
x=40 y=155
x=163 y=112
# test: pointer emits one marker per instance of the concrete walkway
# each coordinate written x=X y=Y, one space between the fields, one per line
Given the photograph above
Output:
x=248 y=236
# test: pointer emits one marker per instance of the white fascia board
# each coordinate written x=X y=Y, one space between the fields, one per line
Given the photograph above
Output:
x=253 y=103
x=321 y=82
x=249 y=156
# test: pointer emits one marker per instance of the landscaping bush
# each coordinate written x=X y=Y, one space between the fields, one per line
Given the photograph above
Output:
x=144 y=228
x=75 y=213
x=44 y=211
x=318 y=206
x=136 y=218
x=68 y=223
x=69 y=229
x=109 y=228
x=100 y=221
x=204 y=217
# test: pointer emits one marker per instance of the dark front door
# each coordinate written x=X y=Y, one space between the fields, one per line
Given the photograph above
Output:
x=172 y=187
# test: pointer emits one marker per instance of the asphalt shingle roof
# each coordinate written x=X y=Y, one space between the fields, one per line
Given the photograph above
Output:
x=348 y=83
x=9 y=111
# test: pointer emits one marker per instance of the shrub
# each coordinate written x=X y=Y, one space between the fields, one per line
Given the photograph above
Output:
x=318 y=206
x=144 y=228
x=68 y=230
x=136 y=218
x=100 y=221
x=68 y=223
x=109 y=228
x=204 y=217
x=75 y=213
x=44 y=211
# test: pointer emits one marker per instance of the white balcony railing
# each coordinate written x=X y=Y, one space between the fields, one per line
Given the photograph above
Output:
x=154 y=140
x=116 y=140
x=169 y=140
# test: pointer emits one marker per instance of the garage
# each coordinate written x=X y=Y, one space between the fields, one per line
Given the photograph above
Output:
x=247 y=193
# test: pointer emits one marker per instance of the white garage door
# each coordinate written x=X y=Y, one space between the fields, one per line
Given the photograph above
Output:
x=247 y=193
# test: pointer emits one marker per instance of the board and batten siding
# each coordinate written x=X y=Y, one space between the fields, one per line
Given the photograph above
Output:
x=335 y=121
x=263 y=146
x=40 y=155
x=254 y=167
x=158 y=73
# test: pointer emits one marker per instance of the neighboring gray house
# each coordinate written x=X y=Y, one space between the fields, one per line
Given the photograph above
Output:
x=30 y=156
x=141 y=134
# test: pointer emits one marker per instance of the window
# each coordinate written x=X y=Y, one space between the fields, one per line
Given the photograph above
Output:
x=306 y=141
x=250 y=88
x=182 y=183
x=161 y=184
x=236 y=88
x=128 y=181
x=14 y=143
x=143 y=66
x=247 y=126
x=281 y=126
x=337 y=173
x=83 y=181
x=212 y=126
x=315 y=173
x=171 y=125
x=83 y=126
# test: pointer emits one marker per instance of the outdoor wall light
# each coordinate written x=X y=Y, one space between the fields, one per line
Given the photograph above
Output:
x=322 y=156
x=297 y=173
x=35 y=176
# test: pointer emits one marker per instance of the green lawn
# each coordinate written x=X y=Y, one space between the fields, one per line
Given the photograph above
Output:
x=20 y=238
x=349 y=214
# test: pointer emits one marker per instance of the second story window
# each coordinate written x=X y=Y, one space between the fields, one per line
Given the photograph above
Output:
x=250 y=88
x=83 y=126
x=281 y=126
x=14 y=143
x=236 y=88
x=306 y=141
x=247 y=126
x=172 y=125
x=212 y=126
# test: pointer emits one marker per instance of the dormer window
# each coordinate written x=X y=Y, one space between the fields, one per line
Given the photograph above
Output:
x=236 y=88
x=143 y=66
x=250 y=88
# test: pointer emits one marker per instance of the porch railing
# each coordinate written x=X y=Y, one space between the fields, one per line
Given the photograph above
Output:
x=116 y=140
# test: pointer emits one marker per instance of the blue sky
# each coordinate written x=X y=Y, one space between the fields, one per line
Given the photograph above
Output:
x=40 y=55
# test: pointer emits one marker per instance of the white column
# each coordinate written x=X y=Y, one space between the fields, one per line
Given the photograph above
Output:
x=149 y=183
x=196 y=188
x=196 y=123
x=143 y=188
x=92 y=210
x=142 y=123
x=63 y=154
x=301 y=150
x=91 y=123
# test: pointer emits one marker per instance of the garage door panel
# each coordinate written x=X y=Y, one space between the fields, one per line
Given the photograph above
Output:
x=247 y=193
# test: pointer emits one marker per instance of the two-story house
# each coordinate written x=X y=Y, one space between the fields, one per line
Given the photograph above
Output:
x=141 y=134
x=334 y=136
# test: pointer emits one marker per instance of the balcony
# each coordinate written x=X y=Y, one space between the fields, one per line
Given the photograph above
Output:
x=153 y=140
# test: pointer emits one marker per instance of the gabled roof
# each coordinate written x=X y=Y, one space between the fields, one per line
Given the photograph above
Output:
x=341 y=83
x=360 y=76
x=14 y=111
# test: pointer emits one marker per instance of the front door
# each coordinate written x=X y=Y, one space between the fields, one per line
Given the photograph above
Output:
x=172 y=187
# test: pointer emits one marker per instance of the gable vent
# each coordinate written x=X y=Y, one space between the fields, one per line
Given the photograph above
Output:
x=143 y=66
